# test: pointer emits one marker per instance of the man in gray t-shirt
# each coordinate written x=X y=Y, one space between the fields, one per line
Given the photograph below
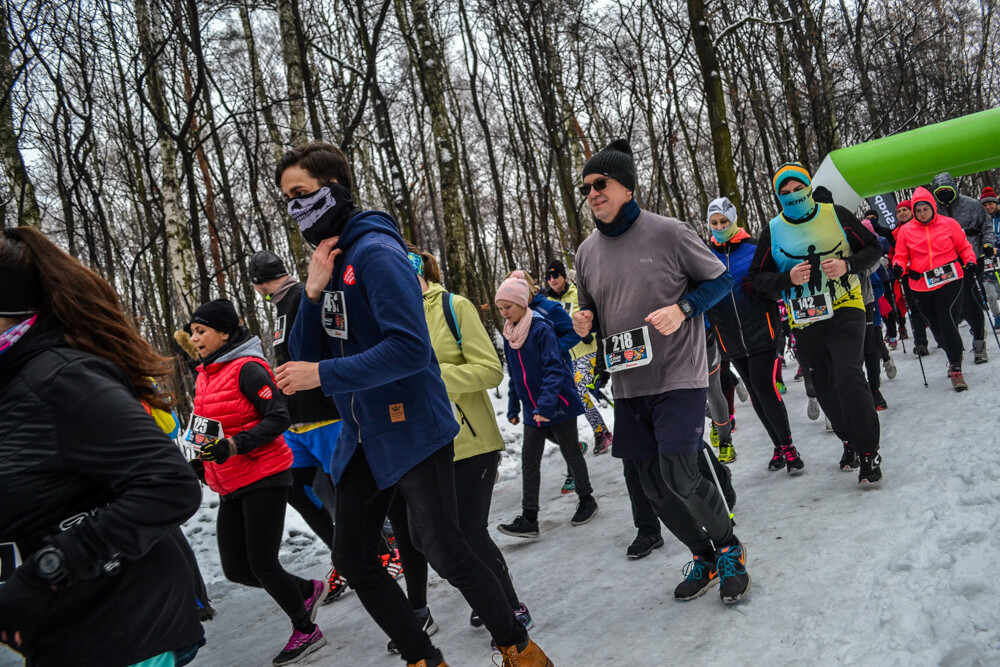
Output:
x=644 y=281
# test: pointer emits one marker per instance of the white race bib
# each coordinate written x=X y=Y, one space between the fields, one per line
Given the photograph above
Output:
x=279 y=330
x=202 y=430
x=813 y=308
x=335 y=315
x=942 y=275
x=629 y=349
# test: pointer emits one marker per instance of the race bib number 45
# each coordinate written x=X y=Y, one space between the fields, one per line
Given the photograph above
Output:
x=814 y=308
x=629 y=349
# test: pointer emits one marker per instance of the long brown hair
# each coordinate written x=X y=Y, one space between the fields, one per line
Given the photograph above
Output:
x=88 y=311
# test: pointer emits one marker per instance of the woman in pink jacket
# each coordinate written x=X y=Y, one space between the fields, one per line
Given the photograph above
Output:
x=934 y=253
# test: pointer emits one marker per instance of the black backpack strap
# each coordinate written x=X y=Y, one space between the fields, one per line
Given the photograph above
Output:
x=447 y=302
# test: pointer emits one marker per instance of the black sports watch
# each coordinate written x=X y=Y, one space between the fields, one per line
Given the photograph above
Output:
x=50 y=564
x=686 y=308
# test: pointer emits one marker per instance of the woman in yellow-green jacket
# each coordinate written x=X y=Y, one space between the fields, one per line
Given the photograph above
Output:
x=470 y=367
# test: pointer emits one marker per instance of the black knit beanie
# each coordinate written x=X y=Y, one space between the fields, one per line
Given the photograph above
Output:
x=555 y=268
x=219 y=314
x=615 y=161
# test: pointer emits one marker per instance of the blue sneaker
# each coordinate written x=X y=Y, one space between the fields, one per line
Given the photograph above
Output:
x=734 y=581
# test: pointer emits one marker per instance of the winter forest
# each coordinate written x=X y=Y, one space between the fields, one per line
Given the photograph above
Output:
x=142 y=135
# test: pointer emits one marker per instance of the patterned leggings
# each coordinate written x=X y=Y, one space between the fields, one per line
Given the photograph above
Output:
x=583 y=374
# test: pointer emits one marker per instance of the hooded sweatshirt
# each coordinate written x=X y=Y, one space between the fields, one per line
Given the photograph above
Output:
x=922 y=246
x=369 y=335
x=969 y=213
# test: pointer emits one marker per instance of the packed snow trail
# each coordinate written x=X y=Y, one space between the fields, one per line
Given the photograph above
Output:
x=897 y=575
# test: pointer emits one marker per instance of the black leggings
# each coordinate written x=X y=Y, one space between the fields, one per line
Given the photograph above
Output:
x=474 y=480
x=972 y=309
x=758 y=373
x=917 y=322
x=687 y=502
x=834 y=350
x=874 y=347
x=943 y=308
x=317 y=518
x=250 y=528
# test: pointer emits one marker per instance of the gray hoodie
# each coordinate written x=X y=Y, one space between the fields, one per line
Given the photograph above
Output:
x=969 y=213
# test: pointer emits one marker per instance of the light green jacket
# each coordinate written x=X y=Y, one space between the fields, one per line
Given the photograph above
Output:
x=570 y=301
x=467 y=372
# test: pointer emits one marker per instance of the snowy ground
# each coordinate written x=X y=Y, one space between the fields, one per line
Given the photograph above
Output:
x=898 y=575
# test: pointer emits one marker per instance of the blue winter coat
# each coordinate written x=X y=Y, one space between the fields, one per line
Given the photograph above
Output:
x=561 y=323
x=539 y=379
x=384 y=377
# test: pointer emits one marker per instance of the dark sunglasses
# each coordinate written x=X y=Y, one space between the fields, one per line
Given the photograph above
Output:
x=598 y=185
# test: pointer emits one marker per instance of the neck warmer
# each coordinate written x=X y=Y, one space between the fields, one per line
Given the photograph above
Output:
x=725 y=235
x=798 y=206
x=417 y=262
x=516 y=334
x=622 y=222
x=282 y=290
x=322 y=214
x=14 y=334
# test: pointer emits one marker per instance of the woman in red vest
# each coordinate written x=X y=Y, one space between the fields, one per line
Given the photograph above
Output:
x=240 y=416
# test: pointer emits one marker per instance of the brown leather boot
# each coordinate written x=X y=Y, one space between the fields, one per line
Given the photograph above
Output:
x=531 y=656
x=425 y=663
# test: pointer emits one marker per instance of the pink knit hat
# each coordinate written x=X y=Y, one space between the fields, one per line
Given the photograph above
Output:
x=514 y=289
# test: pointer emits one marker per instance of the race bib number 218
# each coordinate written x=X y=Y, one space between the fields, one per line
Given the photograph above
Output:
x=629 y=349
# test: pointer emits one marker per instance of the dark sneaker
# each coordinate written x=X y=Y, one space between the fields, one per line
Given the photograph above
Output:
x=475 y=621
x=299 y=646
x=879 y=399
x=920 y=350
x=734 y=581
x=699 y=576
x=979 y=355
x=312 y=603
x=337 y=586
x=643 y=545
x=777 y=461
x=586 y=510
x=427 y=624
x=793 y=462
x=603 y=442
x=520 y=527
x=849 y=461
x=523 y=616
x=871 y=469
x=569 y=486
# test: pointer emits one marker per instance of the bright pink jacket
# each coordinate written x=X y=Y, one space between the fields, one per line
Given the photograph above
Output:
x=923 y=246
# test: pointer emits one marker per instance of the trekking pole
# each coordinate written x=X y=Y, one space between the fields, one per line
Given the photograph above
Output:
x=985 y=307
x=900 y=322
x=718 y=485
x=920 y=357
x=600 y=395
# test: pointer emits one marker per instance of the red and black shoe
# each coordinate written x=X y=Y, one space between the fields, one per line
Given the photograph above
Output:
x=338 y=586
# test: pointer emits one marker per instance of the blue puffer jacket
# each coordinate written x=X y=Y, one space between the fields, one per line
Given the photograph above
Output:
x=384 y=378
x=561 y=323
x=744 y=322
x=539 y=379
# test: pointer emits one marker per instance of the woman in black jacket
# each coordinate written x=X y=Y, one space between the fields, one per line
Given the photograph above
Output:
x=747 y=325
x=92 y=492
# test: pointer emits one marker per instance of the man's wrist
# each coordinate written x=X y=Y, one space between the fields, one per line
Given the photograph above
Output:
x=687 y=308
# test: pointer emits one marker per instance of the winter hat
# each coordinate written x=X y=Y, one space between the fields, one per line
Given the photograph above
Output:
x=264 y=266
x=218 y=314
x=724 y=206
x=555 y=269
x=614 y=161
x=988 y=195
x=869 y=213
x=787 y=171
x=904 y=204
x=514 y=289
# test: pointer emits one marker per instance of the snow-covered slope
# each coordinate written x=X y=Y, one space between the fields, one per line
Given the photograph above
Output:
x=897 y=575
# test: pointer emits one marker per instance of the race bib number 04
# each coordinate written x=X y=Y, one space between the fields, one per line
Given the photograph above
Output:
x=814 y=308
x=335 y=315
x=202 y=430
x=941 y=275
x=629 y=349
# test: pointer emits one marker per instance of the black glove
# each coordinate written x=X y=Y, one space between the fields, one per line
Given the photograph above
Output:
x=199 y=469
x=973 y=268
x=588 y=339
x=897 y=271
x=989 y=250
x=218 y=451
x=24 y=605
x=601 y=378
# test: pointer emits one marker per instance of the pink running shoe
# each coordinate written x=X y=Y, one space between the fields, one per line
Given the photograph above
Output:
x=312 y=603
x=602 y=442
x=299 y=646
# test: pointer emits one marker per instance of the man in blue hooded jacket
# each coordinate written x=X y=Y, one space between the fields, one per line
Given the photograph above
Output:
x=361 y=335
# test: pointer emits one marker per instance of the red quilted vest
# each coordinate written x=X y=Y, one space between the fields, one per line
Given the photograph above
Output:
x=217 y=396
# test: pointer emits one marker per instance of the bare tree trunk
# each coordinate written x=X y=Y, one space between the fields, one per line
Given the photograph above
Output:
x=291 y=54
x=10 y=151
